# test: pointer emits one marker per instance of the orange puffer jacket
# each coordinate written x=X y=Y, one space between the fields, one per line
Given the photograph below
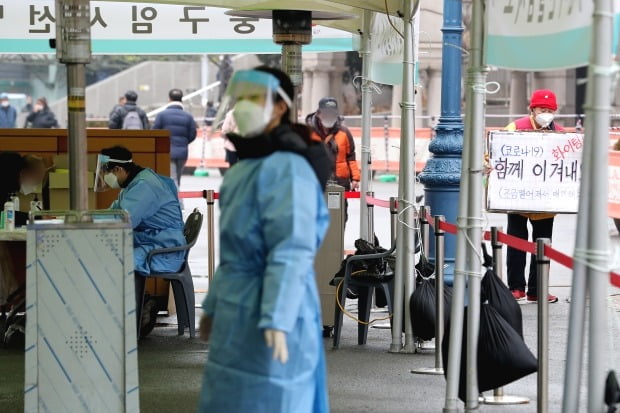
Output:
x=339 y=140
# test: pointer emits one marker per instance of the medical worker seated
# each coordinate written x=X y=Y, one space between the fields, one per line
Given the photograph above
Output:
x=154 y=210
x=262 y=313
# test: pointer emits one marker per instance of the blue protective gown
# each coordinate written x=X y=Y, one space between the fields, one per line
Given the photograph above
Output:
x=273 y=219
x=155 y=213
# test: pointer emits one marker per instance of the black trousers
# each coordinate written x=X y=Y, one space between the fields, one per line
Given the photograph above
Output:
x=515 y=259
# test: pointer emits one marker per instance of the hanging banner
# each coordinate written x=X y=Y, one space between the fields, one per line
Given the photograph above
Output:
x=534 y=171
x=387 y=48
x=541 y=35
x=144 y=28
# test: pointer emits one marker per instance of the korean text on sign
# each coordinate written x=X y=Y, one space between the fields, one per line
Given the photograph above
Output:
x=533 y=171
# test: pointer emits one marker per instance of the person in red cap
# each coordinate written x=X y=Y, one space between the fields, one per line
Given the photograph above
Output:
x=543 y=106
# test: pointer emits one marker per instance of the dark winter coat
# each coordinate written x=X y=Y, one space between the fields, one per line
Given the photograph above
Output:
x=182 y=129
x=42 y=119
x=8 y=116
x=118 y=115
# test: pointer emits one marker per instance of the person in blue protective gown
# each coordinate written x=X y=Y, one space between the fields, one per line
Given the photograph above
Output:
x=154 y=211
x=153 y=206
x=262 y=314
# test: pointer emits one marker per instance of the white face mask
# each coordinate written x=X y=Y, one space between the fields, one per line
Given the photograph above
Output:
x=28 y=189
x=544 y=119
x=251 y=118
x=5 y=103
x=329 y=122
x=111 y=180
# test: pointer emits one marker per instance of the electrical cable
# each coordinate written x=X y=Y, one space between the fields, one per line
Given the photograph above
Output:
x=351 y=316
x=387 y=14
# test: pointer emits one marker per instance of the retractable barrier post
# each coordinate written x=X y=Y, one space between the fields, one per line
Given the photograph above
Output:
x=211 y=233
x=498 y=397
x=439 y=301
x=542 y=269
x=393 y=219
x=424 y=232
x=371 y=218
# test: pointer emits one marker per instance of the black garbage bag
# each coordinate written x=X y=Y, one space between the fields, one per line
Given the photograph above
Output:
x=503 y=356
x=495 y=292
x=612 y=393
x=424 y=267
x=499 y=296
x=423 y=309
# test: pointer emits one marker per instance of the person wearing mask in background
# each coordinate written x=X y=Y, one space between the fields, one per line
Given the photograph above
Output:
x=543 y=106
x=129 y=115
x=20 y=175
x=41 y=116
x=328 y=128
x=182 y=129
x=153 y=206
x=262 y=314
x=8 y=114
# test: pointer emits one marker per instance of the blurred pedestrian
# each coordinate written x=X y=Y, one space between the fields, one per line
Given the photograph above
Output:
x=129 y=115
x=327 y=127
x=41 y=116
x=28 y=107
x=182 y=129
x=210 y=113
x=543 y=106
x=8 y=114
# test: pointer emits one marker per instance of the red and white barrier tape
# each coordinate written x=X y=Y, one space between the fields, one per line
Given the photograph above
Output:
x=512 y=241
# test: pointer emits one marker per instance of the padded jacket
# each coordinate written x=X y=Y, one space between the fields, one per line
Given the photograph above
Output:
x=339 y=141
x=182 y=129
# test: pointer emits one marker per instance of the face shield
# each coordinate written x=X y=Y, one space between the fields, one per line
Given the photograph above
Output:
x=251 y=96
x=104 y=177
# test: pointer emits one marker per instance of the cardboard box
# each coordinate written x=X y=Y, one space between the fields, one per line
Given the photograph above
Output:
x=59 y=190
x=62 y=161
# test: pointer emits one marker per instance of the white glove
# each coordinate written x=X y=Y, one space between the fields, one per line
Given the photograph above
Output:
x=277 y=340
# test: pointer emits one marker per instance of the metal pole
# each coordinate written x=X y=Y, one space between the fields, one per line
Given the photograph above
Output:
x=371 y=217
x=442 y=172
x=596 y=254
x=424 y=230
x=393 y=219
x=475 y=97
x=76 y=129
x=366 y=39
x=291 y=65
x=204 y=77
x=542 y=269
x=386 y=142
x=590 y=274
x=439 y=300
x=496 y=246
x=211 y=233
x=498 y=397
x=73 y=49
x=406 y=192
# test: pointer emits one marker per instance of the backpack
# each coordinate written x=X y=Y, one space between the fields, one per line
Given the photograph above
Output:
x=132 y=120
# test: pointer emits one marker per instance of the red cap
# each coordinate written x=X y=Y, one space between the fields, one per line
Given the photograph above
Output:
x=543 y=98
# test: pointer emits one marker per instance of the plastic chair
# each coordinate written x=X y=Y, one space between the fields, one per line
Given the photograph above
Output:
x=366 y=289
x=182 y=283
